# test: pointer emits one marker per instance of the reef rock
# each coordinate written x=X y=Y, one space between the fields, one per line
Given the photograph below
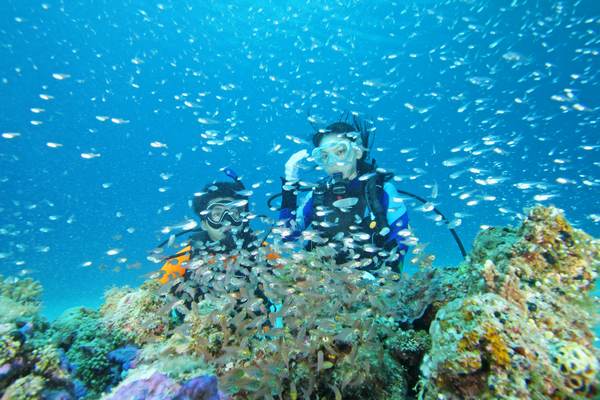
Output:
x=511 y=322
x=521 y=326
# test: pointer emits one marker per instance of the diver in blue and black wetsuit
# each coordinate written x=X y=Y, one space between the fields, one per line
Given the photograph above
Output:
x=355 y=209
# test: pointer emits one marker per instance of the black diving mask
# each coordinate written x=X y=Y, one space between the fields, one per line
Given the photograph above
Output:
x=221 y=213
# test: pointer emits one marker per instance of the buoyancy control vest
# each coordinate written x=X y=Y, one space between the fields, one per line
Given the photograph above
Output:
x=343 y=209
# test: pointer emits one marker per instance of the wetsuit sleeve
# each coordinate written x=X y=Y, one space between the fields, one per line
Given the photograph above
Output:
x=294 y=216
x=305 y=212
x=397 y=217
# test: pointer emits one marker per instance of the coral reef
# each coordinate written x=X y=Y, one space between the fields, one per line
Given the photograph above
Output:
x=30 y=368
x=331 y=321
x=64 y=360
x=511 y=322
x=87 y=343
x=519 y=324
x=137 y=315
x=19 y=299
x=29 y=387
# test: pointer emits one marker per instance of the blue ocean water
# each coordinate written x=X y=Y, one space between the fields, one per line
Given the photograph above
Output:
x=113 y=113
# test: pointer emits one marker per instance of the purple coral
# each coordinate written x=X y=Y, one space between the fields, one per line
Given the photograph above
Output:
x=156 y=387
x=11 y=369
x=160 y=387
x=199 y=388
x=125 y=356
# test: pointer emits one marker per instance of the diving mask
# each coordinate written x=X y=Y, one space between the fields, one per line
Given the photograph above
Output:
x=333 y=153
x=220 y=212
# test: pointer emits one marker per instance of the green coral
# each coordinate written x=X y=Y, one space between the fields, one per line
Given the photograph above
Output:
x=24 y=291
x=379 y=376
x=47 y=363
x=82 y=335
x=9 y=348
x=32 y=365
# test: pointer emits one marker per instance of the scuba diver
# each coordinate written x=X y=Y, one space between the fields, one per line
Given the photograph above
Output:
x=223 y=235
x=355 y=209
x=222 y=210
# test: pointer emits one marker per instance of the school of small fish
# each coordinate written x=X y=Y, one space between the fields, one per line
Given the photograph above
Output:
x=481 y=108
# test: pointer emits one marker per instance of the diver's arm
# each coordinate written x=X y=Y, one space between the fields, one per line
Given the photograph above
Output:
x=299 y=219
x=290 y=186
x=397 y=217
x=289 y=200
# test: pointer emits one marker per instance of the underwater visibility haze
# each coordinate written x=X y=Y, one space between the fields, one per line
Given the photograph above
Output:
x=115 y=115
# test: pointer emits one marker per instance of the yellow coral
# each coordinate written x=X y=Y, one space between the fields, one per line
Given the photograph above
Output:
x=470 y=363
x=8 y=349
x=468 y=341
x=497 y=347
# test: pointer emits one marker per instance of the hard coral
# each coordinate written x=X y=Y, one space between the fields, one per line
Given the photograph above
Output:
x=505 y=342
x=30 y=366
x=136 y=314
x=20 y=299
x=334 y=321
x=578 y=366
x=24 y=291
x=473 y=341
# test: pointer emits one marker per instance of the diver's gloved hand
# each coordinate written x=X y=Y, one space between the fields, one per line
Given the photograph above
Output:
x=292 y=166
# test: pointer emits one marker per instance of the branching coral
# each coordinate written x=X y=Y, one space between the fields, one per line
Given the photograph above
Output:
x=24 y=291
x=29 y=387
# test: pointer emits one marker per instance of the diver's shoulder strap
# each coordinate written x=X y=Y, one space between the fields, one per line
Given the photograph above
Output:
x=374 y=195
x=289 y=197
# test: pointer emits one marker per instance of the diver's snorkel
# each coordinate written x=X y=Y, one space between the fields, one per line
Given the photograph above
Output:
x=231 y=173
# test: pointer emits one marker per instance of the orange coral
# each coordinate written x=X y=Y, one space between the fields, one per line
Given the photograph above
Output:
x=468 y=341
x=497 y=347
